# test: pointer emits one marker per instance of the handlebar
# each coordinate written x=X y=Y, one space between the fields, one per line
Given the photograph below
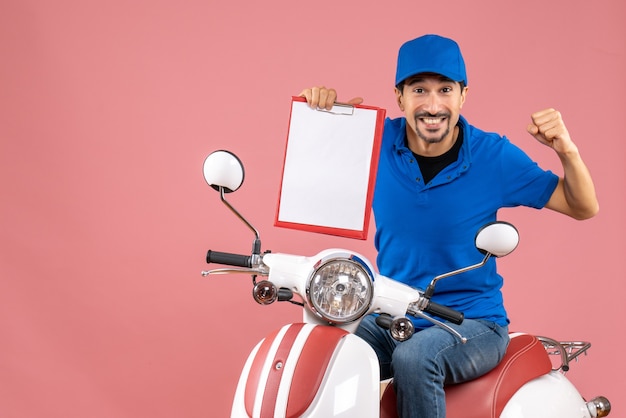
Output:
x=228 y=259
x=384 y=320
x=444 y=312
x=240 y=260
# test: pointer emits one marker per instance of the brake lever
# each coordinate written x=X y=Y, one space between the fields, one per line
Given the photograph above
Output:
x=253 y=271
x=437 y=322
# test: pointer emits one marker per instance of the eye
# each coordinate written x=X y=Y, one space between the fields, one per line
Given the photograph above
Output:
x=447 y=90
x=418 y=90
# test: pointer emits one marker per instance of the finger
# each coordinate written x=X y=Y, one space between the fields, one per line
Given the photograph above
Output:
x=544 y=121
x=307 y=94
x=552 y=126
x=558 y=131
x=533 y=130
x=315 y=97
x=327 y=98
x=323 y=98
x=552 y=129
x=545 y=116
x=355 y=101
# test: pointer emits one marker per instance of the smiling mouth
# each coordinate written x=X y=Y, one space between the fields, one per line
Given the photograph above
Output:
x=432 y=121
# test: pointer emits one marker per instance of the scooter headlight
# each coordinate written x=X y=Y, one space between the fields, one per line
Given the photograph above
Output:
x=340 y=289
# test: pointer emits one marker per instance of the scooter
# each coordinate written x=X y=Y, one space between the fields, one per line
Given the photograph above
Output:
x=319 y=368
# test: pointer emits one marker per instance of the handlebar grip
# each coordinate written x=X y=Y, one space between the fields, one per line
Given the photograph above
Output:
x=444 y=312
x=384 y=320
x=229 y=259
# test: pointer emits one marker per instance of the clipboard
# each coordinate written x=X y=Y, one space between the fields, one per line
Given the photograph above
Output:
x=329 y=169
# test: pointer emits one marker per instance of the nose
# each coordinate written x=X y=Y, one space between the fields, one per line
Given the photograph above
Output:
x=432 y=103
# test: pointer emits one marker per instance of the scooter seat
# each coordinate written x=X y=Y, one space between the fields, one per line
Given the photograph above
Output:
x=486 y=396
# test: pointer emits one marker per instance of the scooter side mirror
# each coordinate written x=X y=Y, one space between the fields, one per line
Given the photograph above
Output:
x=224 y=172
x=497 y=238
x=223 y=169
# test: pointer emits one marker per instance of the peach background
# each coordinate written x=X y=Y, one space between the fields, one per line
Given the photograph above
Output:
x=108 y=108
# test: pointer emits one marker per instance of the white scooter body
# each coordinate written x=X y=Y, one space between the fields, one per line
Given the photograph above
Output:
x=273 y=381
x=287 y=363
x=548 y=396
x=319 y=368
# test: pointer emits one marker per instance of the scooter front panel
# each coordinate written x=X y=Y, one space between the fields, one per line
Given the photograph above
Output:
x=311 y=367
x=294 y=369
x=271 y=371
x=256 y=372
x=351 y=385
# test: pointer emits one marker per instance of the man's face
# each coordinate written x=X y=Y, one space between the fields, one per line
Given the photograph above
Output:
x=431 y=104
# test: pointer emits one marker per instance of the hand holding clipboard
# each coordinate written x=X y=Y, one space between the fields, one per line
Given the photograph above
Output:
x=323 y=98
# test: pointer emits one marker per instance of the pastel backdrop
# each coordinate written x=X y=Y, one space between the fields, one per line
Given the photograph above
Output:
x=108 y=109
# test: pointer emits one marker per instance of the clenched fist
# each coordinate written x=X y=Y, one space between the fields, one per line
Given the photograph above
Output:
x=549 y=129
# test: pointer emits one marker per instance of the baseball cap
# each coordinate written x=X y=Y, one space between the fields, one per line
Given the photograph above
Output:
x=431 y=54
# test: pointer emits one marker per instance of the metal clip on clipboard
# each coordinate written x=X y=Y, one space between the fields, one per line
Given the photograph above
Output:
x=340 y=109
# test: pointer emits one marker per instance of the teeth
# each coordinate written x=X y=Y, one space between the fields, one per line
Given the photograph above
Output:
x=432 y=121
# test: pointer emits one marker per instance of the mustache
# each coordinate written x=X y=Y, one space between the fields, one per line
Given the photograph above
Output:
x=423 y=114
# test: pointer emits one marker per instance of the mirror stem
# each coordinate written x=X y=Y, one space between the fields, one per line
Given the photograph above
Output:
x=256 y=248
x=431 y=287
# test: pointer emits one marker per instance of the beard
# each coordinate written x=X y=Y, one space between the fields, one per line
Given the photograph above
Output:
x=424 y=135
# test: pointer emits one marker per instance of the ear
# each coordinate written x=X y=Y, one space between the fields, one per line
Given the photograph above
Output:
x=463 y=96
x=399 y=98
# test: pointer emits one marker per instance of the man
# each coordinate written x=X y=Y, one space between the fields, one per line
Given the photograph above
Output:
x=439 y=180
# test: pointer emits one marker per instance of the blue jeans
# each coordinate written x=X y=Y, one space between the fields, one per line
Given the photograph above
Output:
x=432 y=358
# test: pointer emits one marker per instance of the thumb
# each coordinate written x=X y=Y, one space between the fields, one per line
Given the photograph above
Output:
x=355 y=101
x=532 y=129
